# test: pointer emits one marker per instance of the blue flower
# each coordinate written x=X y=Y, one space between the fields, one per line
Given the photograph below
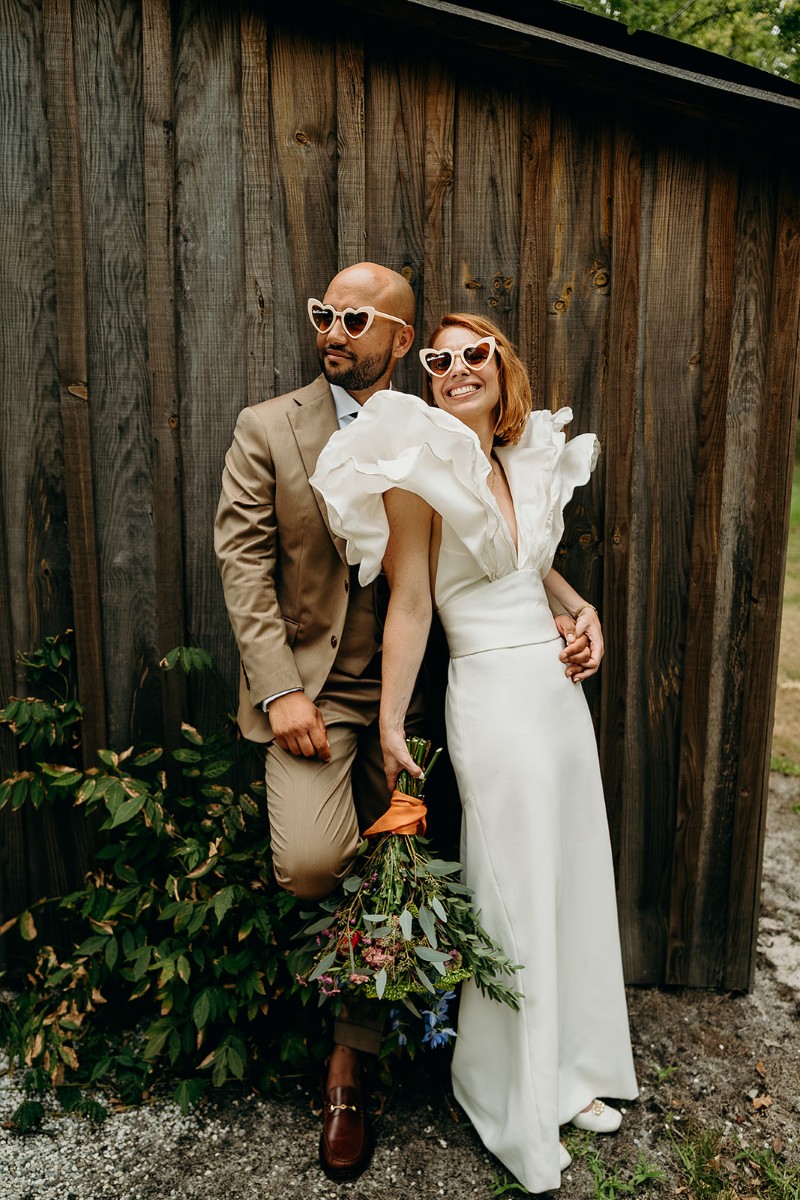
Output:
x=437 y=1033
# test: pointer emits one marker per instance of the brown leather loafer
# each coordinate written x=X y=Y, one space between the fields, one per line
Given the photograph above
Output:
x=345 y=1145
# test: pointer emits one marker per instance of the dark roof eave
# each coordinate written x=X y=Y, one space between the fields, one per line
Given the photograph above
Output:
x=603 y=66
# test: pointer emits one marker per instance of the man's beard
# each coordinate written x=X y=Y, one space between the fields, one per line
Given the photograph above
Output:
x=359 y=375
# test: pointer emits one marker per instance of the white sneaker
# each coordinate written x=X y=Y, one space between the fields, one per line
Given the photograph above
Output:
x=599 y=1118
x=564 y=1157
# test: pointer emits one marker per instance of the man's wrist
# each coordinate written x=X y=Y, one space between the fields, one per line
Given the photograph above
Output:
x=271 y=699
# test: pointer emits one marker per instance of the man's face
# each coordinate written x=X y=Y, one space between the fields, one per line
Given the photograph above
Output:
x=356 y=364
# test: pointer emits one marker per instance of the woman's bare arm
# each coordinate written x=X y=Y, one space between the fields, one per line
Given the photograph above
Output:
x=408 y=621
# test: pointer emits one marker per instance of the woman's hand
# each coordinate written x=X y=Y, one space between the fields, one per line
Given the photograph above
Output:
x=396 y=757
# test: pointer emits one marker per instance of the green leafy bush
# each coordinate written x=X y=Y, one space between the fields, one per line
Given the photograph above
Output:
x=179 y=965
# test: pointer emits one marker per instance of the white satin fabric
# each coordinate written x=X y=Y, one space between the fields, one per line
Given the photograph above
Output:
x=535 y=842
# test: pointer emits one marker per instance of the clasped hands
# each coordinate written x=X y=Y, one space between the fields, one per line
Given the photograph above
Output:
x=584 y=649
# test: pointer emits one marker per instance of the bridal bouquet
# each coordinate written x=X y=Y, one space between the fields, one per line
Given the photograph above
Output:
x=402 y=923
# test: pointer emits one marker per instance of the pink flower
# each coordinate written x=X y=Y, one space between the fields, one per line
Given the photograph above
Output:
x=357 y=979
x=327 y=985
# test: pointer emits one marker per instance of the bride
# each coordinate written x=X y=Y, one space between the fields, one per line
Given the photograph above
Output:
x=463 y=504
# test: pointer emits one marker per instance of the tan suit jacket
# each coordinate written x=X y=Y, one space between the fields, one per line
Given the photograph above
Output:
x=284 y=574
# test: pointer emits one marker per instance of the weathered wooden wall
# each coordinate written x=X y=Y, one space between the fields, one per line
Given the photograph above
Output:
x=175 y=182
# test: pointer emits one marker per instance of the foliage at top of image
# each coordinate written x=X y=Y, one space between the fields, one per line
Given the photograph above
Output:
x=762 y=33
x=178 y=934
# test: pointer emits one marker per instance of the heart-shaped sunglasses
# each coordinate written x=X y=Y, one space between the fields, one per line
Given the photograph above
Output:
x=355 y=321
x=475 y=356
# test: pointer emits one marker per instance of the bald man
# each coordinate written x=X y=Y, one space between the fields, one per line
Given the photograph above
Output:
x=309 y=636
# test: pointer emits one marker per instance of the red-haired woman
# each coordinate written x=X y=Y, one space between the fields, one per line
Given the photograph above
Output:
x=462 y=502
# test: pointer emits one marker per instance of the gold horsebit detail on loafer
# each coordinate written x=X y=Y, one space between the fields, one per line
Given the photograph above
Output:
x=598 y=1106
x=343 y=1108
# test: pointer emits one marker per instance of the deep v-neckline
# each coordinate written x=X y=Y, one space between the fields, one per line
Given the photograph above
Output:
x=507 y=528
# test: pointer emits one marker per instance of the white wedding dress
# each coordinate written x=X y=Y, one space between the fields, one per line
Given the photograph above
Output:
x=535 y=843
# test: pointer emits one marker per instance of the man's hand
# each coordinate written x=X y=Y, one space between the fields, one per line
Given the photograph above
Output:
x=298 y=726
x=584 y=650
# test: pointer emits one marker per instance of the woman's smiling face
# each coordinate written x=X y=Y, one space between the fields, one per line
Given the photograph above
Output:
x=472 y=396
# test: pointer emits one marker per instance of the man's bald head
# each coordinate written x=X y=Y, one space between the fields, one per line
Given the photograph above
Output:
x=370 y=283
x=364 y=363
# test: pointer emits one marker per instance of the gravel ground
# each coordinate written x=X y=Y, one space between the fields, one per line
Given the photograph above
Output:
x=704 y=1060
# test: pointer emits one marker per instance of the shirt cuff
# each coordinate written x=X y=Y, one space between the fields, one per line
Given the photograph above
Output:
x=266 y=703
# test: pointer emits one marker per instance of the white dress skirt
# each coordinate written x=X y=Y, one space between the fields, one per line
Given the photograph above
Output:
x=535 y=842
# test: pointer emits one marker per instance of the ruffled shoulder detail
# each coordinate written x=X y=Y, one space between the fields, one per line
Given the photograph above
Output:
x=543 y=470
x=398 y=441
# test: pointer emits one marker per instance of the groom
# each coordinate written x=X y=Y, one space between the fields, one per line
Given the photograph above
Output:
x=309 y=636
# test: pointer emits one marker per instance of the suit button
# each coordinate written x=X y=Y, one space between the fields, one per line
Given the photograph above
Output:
x=334 y=641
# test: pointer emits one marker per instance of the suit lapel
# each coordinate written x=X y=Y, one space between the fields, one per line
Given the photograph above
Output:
x=313 y=422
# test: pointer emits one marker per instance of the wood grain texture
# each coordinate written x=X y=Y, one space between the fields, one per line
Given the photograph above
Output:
x=696 y=939
x=159 y=200
x=350 y=151
x=486 y=216
x=620 y=427
x=439 y=175
x=108 y=47
x=212 y=364
x=73 y=369
x=668 y=401
x=397 y=93
x=577 y=327
x=303 y=208
x=535 y=242
x=771 y=512
x=256 y=155
x=31 y=468
x=741 y=497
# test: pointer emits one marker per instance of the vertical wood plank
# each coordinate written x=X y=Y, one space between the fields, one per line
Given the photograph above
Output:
x=73 y=370
x=577 y=327
x=439 y=167
x=210 y=297
x=776 y=462
x=395 y=174
x=108 y=56
x=696 y=940
x=668 y=396
x=712 y=851
x=304 y=219
x=350 y=150
x=620 y=427
x=159 y=201
x=535 y=241
x=256 y=155
x=486 y=217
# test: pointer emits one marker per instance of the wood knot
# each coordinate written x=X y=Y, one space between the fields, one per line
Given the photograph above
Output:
x=301 y=138
x=172 y=422
x=560 y=305
x=601 y=279
x=467 y=280
x=408 y=273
